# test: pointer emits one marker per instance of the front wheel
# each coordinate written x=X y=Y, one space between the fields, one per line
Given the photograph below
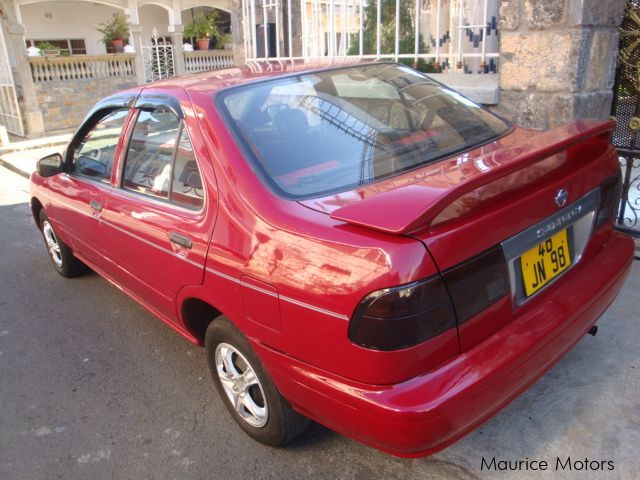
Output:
x=65 y=263
x=247 y=390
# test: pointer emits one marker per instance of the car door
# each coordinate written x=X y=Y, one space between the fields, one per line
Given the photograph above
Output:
x=80 y=193
x=160 y=216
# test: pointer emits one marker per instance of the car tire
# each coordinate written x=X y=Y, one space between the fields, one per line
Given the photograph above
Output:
x=247 y=390
x=61 y=256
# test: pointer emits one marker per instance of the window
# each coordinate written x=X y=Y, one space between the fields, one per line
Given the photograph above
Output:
x=148 y=166
x=158 y=166
x=329 y=131
x=74 y=46
x=186 y=189
x=93 y=157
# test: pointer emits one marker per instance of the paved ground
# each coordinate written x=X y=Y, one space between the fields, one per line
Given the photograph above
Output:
x=94 y=387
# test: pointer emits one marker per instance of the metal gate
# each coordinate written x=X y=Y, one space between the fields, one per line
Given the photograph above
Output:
x=626 y=109
x=157 y=58
x=10 y=115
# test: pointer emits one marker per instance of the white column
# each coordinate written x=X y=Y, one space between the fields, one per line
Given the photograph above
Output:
x=135 y=39
x=178 y=53
x=238 y=31
x=16 y=47
x=176 y=29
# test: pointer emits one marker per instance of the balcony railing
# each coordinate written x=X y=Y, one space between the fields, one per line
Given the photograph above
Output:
x=82 y=67
x=202 y=60
x=448 y=36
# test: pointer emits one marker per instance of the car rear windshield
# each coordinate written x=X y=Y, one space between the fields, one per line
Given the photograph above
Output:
x=327 y=131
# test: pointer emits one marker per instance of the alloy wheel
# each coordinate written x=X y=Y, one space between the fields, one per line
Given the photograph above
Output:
x=241 y=385
x=52 y=243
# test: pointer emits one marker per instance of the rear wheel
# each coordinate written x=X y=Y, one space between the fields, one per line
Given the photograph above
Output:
x=247 y=390
x=61 y=255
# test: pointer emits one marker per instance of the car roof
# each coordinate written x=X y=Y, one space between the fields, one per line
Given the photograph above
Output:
x=214 y=80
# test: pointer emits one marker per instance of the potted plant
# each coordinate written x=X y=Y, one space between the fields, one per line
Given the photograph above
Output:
x=115 y=32
x=226 y=40
x=203 y=28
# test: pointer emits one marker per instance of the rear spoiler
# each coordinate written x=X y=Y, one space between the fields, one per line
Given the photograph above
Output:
x=415 y=206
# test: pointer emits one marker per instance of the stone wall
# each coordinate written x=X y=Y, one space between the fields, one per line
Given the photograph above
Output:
x=557 y=59
x=64 y=103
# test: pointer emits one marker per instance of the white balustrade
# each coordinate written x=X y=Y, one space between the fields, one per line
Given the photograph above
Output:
x=82 y=67
x=203 y=60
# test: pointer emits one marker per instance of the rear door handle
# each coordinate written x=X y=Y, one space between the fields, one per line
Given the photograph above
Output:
x=95 y=205
x=179 y=239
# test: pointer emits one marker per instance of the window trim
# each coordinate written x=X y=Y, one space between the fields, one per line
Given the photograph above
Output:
x=95 y=117
x=119 y=185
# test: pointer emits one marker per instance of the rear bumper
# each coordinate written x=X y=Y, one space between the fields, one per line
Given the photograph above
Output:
x=427 y=413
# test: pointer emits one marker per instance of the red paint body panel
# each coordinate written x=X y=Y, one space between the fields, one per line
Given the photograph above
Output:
x=291 y=274
x=414 y=200
x=429 y=412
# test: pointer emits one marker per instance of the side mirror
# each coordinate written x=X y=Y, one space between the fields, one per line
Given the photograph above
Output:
x=50 y=165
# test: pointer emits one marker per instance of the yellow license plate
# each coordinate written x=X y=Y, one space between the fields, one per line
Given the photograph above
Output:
x=545 y=262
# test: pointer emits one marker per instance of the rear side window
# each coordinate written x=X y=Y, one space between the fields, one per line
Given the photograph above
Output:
x=160 y=161
x=93 y=157
x=186 y=189
x=323 y=132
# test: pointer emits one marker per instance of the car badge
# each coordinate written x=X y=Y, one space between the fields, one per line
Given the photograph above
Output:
x=561 y=197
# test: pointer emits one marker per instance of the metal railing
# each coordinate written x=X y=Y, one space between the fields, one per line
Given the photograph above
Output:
x=435 y=35
x=79 y=67
x=626 y=109
x=202 y=60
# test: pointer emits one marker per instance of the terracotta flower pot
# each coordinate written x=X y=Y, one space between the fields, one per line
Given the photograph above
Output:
x=203 y=43
x=117 y=44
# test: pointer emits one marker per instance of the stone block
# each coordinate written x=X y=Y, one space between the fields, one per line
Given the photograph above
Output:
x=55 y=111
x=600 y=70
x=544 y=60
x=568 y=107
x=544 y=14
x=34 y=123
x=527 y=109
x=596 y=12
x=509 y=14
x=125 y=85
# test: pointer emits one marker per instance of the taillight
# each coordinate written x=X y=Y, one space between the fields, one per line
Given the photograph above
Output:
x=477 y=283
x=404 y=316
x=610 y=191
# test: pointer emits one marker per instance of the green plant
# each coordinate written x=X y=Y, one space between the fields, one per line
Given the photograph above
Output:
x=43 y=46
x=422 y=65
x=225 y=39
x=203 y=26
x=116 y=29
x=388 y=30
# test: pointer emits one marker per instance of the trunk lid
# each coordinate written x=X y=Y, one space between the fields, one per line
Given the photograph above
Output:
x=465 y=205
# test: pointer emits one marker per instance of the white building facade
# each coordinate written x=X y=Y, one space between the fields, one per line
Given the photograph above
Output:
x=520 y=55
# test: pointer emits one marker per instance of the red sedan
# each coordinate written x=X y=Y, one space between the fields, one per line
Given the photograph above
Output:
x=355 y=244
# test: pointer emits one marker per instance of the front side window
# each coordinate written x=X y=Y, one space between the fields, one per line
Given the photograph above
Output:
x=150 y=153
x=160 y=161
x=94 y=155
x=328 y=131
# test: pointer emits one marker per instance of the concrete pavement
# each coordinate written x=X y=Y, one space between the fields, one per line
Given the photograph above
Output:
x=93 y=386
x=21 y=157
